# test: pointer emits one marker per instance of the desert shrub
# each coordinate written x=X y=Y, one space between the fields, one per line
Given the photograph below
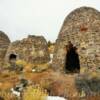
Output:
x=83 y=70
x=40 y=67
x=89 y=86
x=21 y=63
x=6 y=95
x=34 y=93
x=46 y=83
x=6 y=65
x=28 y=67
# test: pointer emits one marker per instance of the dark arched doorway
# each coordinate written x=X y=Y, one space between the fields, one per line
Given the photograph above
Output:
x=12 y=58
x=72 y=63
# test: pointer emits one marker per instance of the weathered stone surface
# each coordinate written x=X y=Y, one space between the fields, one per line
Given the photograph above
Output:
x=82 y=28
x=32 y=50
x=4 y=43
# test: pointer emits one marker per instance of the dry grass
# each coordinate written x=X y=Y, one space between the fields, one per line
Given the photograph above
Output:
x=47 y=79
x=8 y=80
x=6 y=95
x=34 y=93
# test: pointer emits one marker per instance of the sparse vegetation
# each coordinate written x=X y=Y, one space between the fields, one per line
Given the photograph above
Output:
x=21 y=63
x=35 y=93
x=88 y=86
x=6 y=95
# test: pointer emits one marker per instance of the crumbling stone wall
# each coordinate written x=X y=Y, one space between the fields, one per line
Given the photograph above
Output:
x=82 y=28
x=4 y=43
x=33 y=49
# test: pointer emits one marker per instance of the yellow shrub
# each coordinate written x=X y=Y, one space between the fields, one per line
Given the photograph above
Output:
x=6 y=65
x=29 y=65
x=94 y=74
x=34 y=93
x=7 y=95
x=83 y=70
x=21 y=62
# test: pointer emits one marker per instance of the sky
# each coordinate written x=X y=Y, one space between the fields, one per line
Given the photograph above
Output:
x=19 y=18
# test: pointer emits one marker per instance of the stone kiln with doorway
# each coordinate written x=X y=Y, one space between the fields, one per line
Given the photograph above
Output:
x=33 y=49
x=82 y=28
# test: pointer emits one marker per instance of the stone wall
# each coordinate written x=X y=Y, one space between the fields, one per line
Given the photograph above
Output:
x=33 y=49
x=82 y=28
x=4 y=43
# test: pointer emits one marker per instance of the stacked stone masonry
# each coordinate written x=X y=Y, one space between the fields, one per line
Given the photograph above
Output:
x=32 y=50
x=82 y=28
x=4 y=43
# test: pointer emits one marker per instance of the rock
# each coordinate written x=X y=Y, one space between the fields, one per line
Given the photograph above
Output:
x=55 y=98
x=23 y=82
x=32 y=49
x=82 y=28
x=33 y=70
x=19 y=88
x=17 y=93
x=51 y=57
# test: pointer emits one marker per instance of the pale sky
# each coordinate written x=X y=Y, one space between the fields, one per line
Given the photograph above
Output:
x=19 y=18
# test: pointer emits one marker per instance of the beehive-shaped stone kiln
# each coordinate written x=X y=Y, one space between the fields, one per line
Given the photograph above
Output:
x=4 y=43
x=82 y=28
x=33 y=49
